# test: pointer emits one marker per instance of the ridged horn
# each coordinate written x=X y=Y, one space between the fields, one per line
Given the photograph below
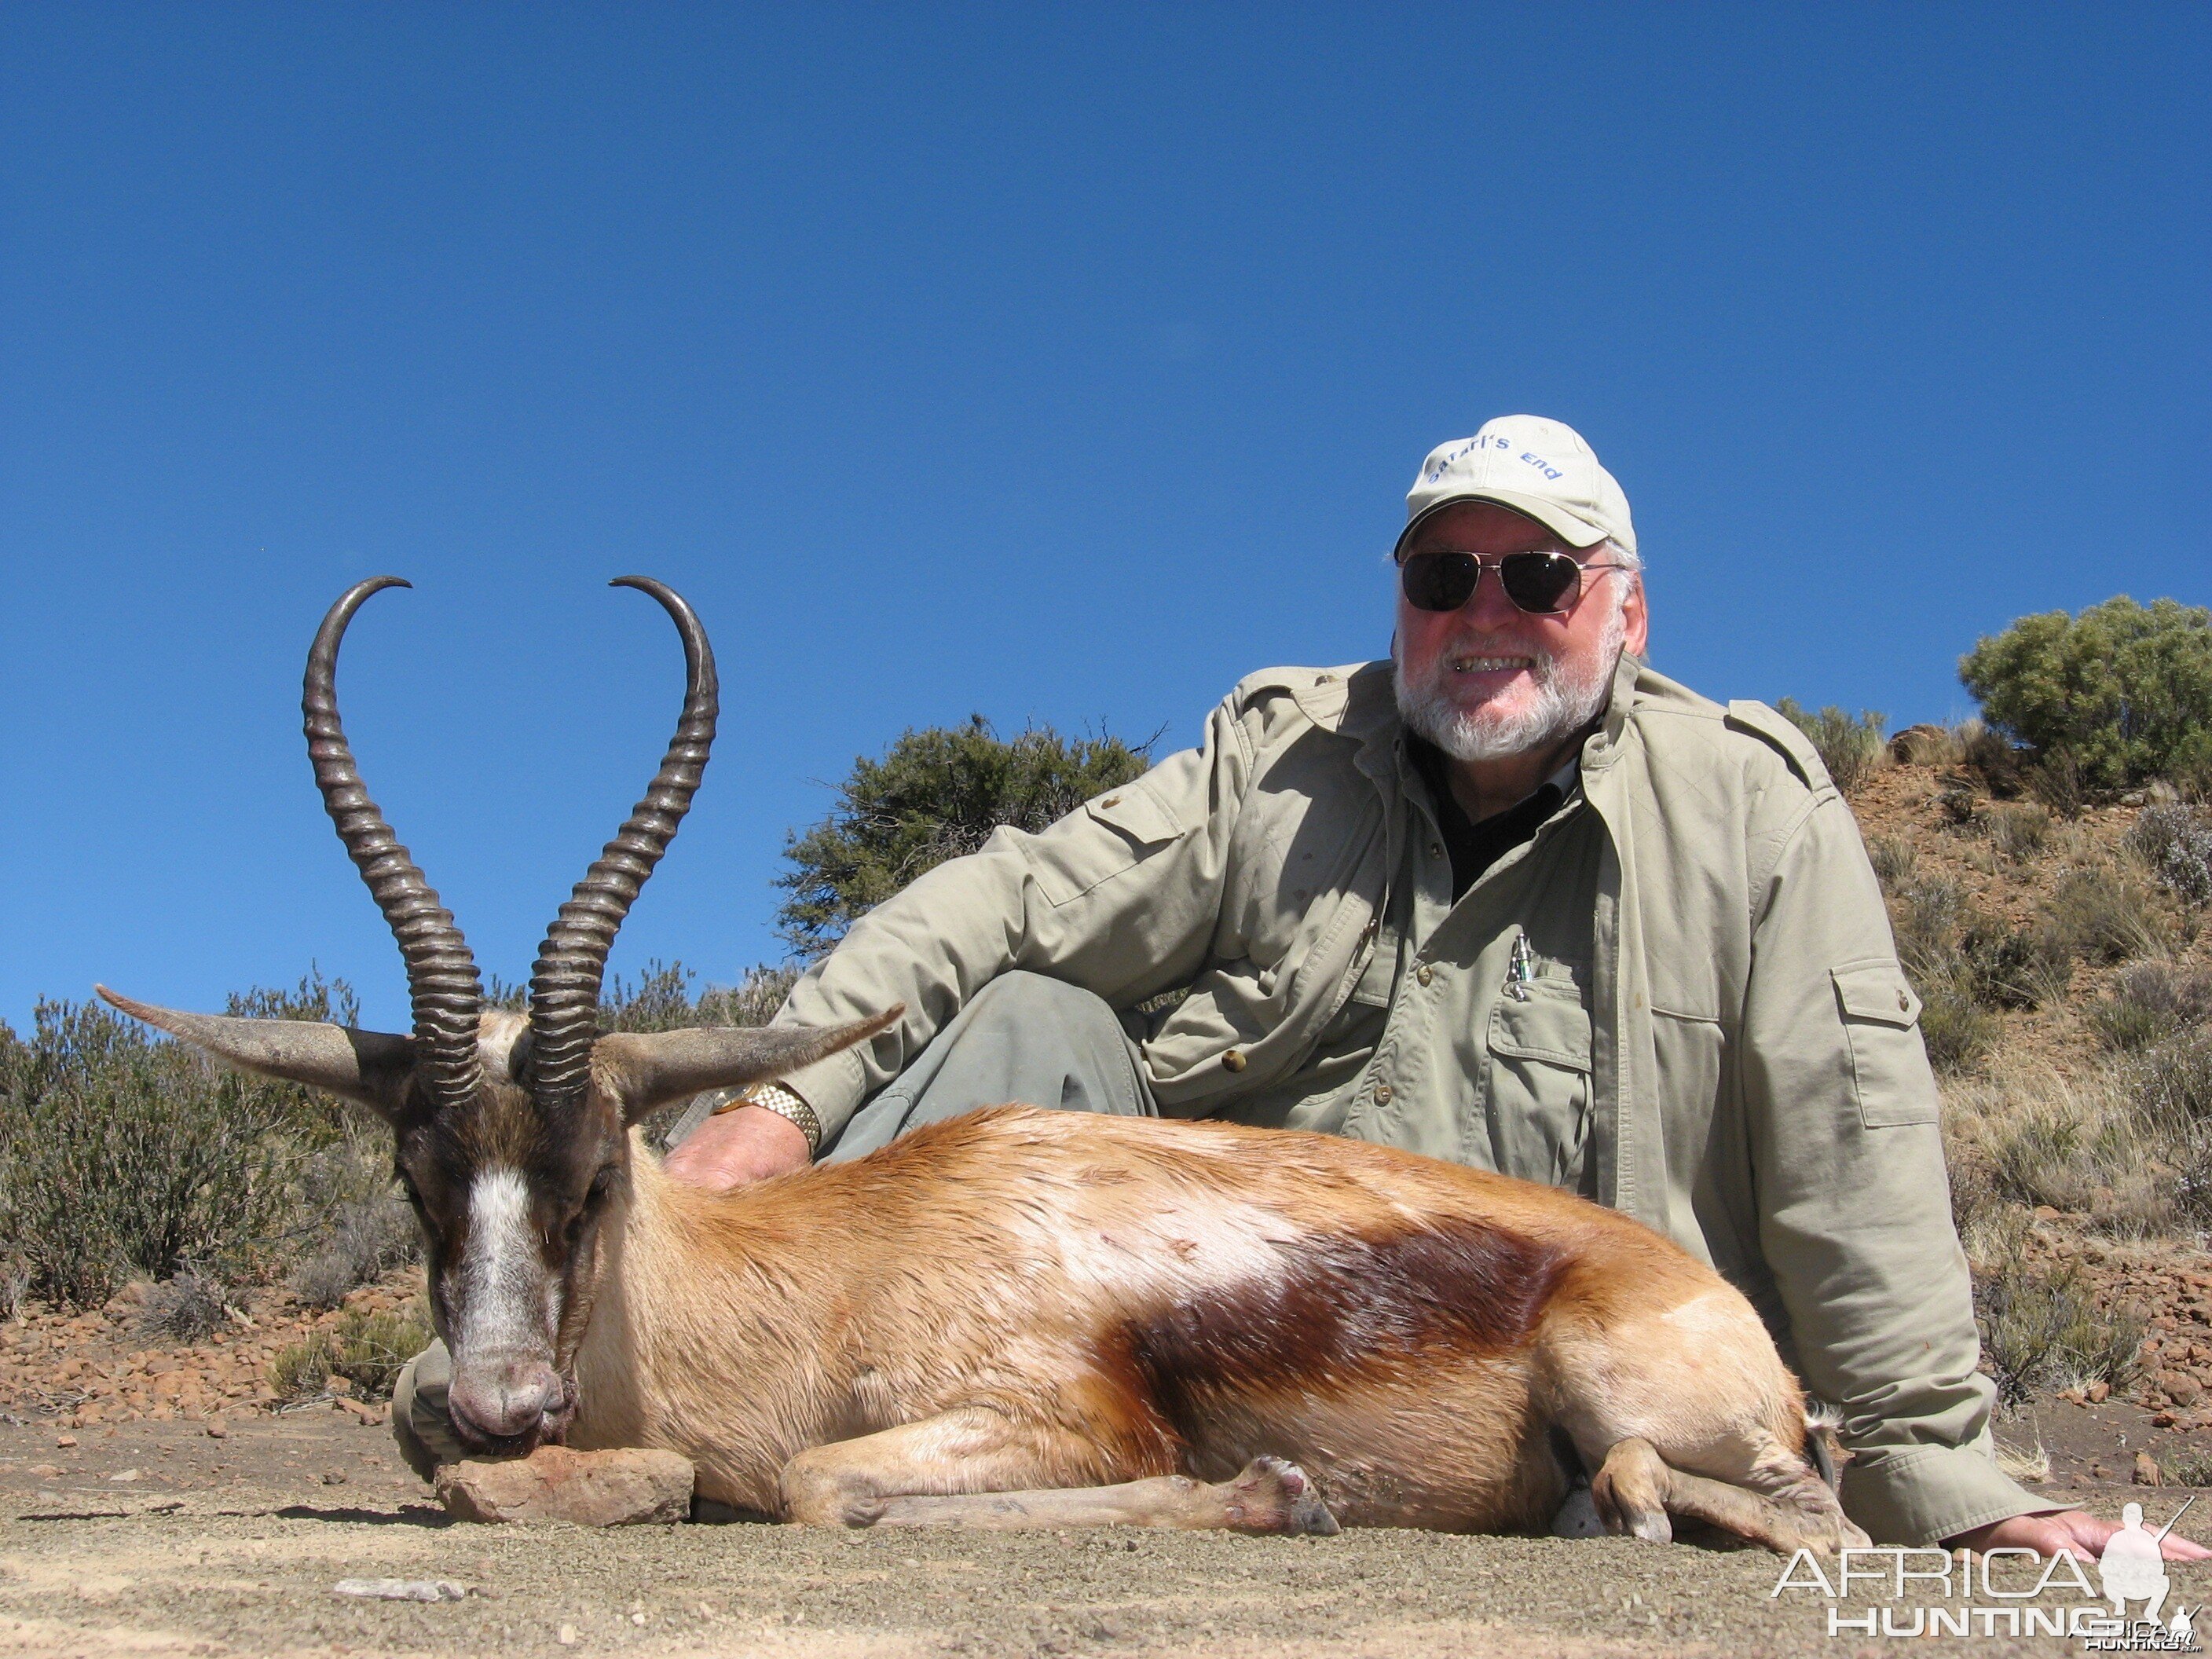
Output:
x=565 y=983
x=442 y=974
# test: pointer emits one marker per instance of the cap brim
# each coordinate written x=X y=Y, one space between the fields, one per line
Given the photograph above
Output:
x=1574 y=532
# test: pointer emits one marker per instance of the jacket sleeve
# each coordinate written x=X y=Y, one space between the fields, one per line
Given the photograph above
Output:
x=1120 y=898
x=1854 y=1203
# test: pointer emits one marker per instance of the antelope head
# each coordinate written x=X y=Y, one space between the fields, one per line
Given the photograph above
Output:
x=510 y=1134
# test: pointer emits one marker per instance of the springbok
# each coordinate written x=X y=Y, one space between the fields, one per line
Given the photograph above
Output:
x=1018 y=1317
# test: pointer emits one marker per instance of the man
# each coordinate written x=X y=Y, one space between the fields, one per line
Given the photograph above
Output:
x=1512 y=899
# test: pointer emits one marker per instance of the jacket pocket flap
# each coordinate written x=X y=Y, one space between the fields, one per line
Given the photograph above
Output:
x=1876 y=992
x=1137 y=813
x=1546 y=1027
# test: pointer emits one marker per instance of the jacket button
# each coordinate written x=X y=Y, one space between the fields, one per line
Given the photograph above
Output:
x=1383 y=1094
x=1425 y=973
x=1324 y=679
x=1234 y=1060
x=1904 y=1000
x=1436 y=849
x=1111 y=800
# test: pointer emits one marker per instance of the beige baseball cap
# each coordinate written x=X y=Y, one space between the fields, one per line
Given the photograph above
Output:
x=1539 y=467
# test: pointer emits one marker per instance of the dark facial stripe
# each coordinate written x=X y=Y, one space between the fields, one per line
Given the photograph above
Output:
x=1340 y=1311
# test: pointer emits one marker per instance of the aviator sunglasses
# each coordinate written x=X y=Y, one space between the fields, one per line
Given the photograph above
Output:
x=1542 y=584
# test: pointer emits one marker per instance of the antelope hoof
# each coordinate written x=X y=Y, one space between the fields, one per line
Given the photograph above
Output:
x=1273 y=1495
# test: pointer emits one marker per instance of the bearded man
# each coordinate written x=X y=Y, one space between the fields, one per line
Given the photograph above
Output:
x=1510 y=899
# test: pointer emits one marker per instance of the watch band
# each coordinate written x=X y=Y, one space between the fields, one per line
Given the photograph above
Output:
x=785 y=1103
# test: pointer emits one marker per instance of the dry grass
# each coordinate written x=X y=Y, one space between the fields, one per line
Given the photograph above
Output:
x=366 y=1349
x=2019 y=832
x=2102 y=913
x=2028 y=1134
x=2151 y=1002
x=2031 y=1467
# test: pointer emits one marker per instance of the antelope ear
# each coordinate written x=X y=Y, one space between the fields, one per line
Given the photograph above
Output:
x=370 y=1068
x=648 y=1069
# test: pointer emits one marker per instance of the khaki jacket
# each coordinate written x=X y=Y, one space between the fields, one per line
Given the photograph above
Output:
x=1741 y=1040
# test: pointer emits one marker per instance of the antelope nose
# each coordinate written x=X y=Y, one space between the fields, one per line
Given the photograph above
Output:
x=502 y=1401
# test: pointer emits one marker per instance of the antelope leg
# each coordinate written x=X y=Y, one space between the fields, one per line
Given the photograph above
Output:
x=1269 y=1495
x=1638 y=1490
x=975 y=1468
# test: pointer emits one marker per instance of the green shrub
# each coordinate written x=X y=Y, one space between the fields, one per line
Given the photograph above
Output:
x=2172 y=1081
x=2019 y=832
x=2040 y=1333
x=2123 y=691
x=190 y=1307
x=366 y=1349
x=1954 y=1026
x=2175 y=843
x=2100 y=915
x=2189 y=1468
x=122 y=1155
x=935 y=794
x=2018 y=967
x=365 y=1228
x=1851 y=749
x=2150 y=1002
x=661 y=1001
x=1925 y=917
x=2057 y=782
x=1894 y=862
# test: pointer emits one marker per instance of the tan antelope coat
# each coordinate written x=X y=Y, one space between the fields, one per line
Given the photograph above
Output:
x=1755 y=1086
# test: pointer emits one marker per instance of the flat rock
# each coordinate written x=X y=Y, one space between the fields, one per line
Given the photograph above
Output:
x=620 y=1488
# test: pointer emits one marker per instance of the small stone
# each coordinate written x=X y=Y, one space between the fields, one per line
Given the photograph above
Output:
x=47 y=1471
x=404 y=1590
x=2163 y=1420
x=2179 y=1387
x=567 y=1636
x=2099 y=1392
x=65 y=1440
x=126 y=1476
x=216 y=1429
x=623 y=1487
x=2147 y=1473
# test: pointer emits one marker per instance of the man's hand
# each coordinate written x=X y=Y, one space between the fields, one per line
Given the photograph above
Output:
x=2070 y=1531
x=747 y=1144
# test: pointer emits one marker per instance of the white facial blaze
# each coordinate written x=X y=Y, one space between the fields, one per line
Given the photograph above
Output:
x=502 y=1271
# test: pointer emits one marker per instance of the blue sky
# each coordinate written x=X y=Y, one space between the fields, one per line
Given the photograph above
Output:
x=1057 y=363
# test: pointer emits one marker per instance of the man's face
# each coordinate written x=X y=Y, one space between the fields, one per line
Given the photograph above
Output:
x=1489 y=679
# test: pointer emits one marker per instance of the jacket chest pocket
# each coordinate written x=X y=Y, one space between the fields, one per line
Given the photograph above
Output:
x=1538 y=1063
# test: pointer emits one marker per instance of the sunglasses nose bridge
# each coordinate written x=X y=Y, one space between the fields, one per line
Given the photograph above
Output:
x=1536 y=586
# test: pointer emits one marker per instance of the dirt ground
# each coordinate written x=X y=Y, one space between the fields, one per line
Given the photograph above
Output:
x=155 y=1538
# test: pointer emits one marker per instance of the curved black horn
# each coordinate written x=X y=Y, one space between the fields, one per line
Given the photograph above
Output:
x=565 y=983
x=442 y=974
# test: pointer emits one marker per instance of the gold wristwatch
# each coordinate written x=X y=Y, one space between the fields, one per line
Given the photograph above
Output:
x=785 y=1103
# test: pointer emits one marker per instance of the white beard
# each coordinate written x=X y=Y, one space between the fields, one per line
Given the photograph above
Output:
x=1564 y=702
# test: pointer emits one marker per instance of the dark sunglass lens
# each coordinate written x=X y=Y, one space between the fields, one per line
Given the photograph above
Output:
x=1539 y=581
x=1439 y=581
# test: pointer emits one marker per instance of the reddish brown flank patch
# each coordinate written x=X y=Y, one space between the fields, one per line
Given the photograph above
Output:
x=1338 y=1310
